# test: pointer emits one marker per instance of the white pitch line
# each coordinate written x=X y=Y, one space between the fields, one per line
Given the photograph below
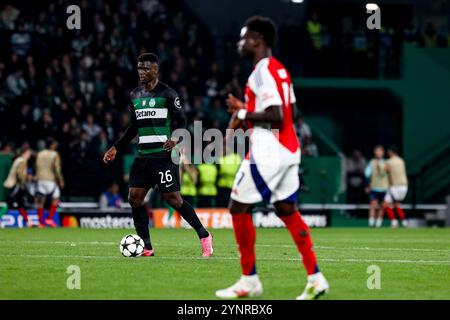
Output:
x=442 y=262
x=390 y=240
x=165 y=244
x=383 y=249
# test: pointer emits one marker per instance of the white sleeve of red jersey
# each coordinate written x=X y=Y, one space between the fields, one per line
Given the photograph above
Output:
x=267 y=89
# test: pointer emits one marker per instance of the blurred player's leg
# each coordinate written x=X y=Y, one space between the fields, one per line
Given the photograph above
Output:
x=24 y=215
x=249 y=284
x=372 y=211
x=183 y=207
x=140 y=217
x=51 y=212
x=300 y=234
x=53 y=207
x=391 y=215
x=388 y=205
x=20 y=198
x=244 y=232
x=317 y=284
x=40 y=200
x=380 y=214
x=401 y=214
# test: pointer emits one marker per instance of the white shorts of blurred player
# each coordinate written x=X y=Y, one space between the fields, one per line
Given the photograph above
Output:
x=396 y=194
x=48 y=188
x=265 y=182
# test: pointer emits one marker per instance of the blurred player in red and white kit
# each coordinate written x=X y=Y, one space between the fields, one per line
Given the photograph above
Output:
x=270 y=171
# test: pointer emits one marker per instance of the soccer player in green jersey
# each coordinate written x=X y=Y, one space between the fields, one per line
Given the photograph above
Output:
x=155 y=112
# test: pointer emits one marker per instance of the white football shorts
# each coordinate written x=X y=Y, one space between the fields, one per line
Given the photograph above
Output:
x=48 y=188
x=396 y=193
x=255 y=183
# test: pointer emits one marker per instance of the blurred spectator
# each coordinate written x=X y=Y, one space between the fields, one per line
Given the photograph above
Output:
x=16 y=83
x=111 y=197
x=99 y=85
x=20 y=41
x=314 y=28
x=433 y=37
x=229 y=164
x=5 y=148
x=82 y=148
x=108 y=126
x=86 y=86
x=189 y=178
x=411 y=34
x=355 y=167
x=91 y=128
x=430 y=36
x=207 y=189
x=219 y=114
x=78 y=81
x=303 y=130
x=309 y=148
x=207 y=179
x=46 y=126
x=8 y=16
x=103 y=142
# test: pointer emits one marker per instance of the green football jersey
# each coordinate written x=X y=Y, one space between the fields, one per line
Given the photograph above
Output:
x=154 y=115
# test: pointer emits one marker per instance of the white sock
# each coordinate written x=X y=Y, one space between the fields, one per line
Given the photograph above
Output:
x=394 y=223
x=250 y=279
x=379 y=222
x=371 y=222
x=315 y=277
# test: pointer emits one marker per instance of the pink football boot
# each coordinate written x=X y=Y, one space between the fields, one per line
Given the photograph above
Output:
x=147 y=253
x=207 y=246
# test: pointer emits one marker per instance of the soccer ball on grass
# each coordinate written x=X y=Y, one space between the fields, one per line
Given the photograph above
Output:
x=131 y=246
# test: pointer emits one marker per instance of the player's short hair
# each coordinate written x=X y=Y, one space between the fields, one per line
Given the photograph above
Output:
x=24 y=149
x=49 y=142
x=153 y=58
x=393 y=149
x=265 y=27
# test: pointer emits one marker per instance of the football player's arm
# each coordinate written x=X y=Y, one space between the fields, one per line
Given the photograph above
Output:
x=22 y=174
x=58 y=171
x=177 y=115
x=177 y=119
x=272 y=114
x=387 y=168
x=130 y=132
x=266 y=90
x=128 y=135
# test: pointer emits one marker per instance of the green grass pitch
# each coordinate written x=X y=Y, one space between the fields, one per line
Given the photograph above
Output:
x=414 y=264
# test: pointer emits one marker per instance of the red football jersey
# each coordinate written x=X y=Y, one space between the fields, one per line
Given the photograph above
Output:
x=270 y=84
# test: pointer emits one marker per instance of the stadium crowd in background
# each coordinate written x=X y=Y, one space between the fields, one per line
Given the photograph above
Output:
x=80 y=94
x=73 y=85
